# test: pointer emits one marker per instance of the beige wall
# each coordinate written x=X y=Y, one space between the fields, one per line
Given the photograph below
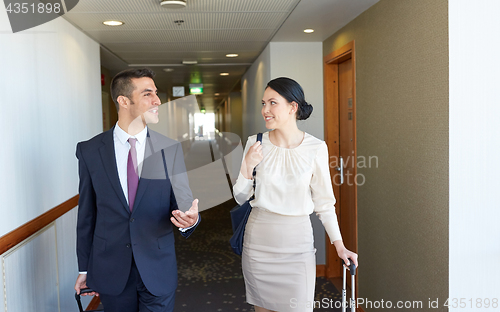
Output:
x=235 y=113
x=109 y=113
x=253 y=84
x=402 y=118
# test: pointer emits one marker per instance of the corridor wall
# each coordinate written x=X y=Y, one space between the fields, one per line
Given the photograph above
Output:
x=51 y=99
x=302 y=61
x=235 y=113
x=402 y=118
x=253 y=84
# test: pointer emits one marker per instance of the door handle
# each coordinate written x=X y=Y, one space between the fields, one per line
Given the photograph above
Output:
x=341 y=170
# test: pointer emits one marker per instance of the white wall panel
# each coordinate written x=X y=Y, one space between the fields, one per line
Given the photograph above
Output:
x=51 y=99
x=474 y=149
x=31 y=274
x=67 y=262
x=2 y=285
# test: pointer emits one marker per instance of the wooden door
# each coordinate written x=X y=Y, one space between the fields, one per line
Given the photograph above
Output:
x=340 y=136
x=347 y=199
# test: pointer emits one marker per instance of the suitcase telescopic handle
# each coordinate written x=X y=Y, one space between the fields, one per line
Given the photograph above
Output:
x=352 y=301
x=77 y=297
x=352 y=266
x=86 y=291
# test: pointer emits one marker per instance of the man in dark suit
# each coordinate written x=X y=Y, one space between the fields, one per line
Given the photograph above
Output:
x=133 y=187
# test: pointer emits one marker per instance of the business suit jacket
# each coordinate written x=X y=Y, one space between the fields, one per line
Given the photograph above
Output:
x=109 y=235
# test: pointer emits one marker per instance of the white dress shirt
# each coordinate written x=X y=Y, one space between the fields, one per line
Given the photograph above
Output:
x=122 y=148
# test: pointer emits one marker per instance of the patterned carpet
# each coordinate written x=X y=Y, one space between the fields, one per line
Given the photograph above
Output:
x=210 y=277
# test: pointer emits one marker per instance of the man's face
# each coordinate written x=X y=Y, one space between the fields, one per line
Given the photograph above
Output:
x=144 y=100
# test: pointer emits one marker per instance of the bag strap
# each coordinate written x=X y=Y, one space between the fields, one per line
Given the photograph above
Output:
x=164 y=164
x=259 y=138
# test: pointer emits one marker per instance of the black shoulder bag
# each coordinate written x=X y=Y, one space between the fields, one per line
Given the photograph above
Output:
x=239 y=216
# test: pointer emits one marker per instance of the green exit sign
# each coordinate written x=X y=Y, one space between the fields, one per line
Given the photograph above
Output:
x=196 y=88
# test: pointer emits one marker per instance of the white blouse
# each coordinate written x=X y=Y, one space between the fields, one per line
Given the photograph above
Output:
x=292 y=181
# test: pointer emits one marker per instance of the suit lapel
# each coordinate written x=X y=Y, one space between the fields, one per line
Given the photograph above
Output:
x=107 y=152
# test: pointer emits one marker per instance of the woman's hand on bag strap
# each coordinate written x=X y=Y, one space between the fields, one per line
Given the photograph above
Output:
x=253 y=157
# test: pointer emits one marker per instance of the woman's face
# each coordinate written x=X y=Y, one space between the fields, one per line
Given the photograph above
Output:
x=276 y=110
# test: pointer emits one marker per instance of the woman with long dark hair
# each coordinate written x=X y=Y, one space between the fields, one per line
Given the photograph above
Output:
x=292 y=181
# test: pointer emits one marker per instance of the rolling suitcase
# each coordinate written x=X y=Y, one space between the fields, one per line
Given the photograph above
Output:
x=79 y=302
x=352 y=301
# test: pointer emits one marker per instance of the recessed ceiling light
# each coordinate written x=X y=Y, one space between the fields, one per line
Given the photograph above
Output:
x=308 y=31
x=189 y=62
x=113 y=23
x=216 y=94
x=173 y=4
x=224 y=74
x=232 y=55
x=168 y=70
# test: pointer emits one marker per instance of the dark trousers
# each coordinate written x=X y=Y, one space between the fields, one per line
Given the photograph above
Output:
x=135 y=297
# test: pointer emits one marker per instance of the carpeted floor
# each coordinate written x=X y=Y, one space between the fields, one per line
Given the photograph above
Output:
x=210 y=277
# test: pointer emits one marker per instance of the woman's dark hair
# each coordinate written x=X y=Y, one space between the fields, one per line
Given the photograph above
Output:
x=292 y=92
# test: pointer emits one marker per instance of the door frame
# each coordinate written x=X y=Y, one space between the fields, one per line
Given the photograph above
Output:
x=332 y=138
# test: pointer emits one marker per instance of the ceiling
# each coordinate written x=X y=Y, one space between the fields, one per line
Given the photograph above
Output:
x=211 y=29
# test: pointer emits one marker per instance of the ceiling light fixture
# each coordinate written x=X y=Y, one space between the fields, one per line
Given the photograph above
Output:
x=232 y=55
x=224 y=74
x=168 y=70
x=308 y=31
x=217 y=94
x=113 y=23
x=185 y=62
x=173 y=4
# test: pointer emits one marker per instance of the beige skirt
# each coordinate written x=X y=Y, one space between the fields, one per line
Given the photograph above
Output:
x=278 y=261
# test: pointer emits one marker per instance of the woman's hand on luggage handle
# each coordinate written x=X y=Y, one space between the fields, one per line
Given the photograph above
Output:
x=252 y=158
x=81 y=283
x=345 y=254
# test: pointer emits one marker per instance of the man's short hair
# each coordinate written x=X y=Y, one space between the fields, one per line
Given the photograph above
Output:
x=121 y=84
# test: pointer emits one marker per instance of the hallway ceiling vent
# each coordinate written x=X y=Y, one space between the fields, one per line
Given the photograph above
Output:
x=173 y=4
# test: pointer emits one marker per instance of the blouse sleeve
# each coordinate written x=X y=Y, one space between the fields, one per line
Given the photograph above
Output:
x=243 y=188
x=322 y=194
